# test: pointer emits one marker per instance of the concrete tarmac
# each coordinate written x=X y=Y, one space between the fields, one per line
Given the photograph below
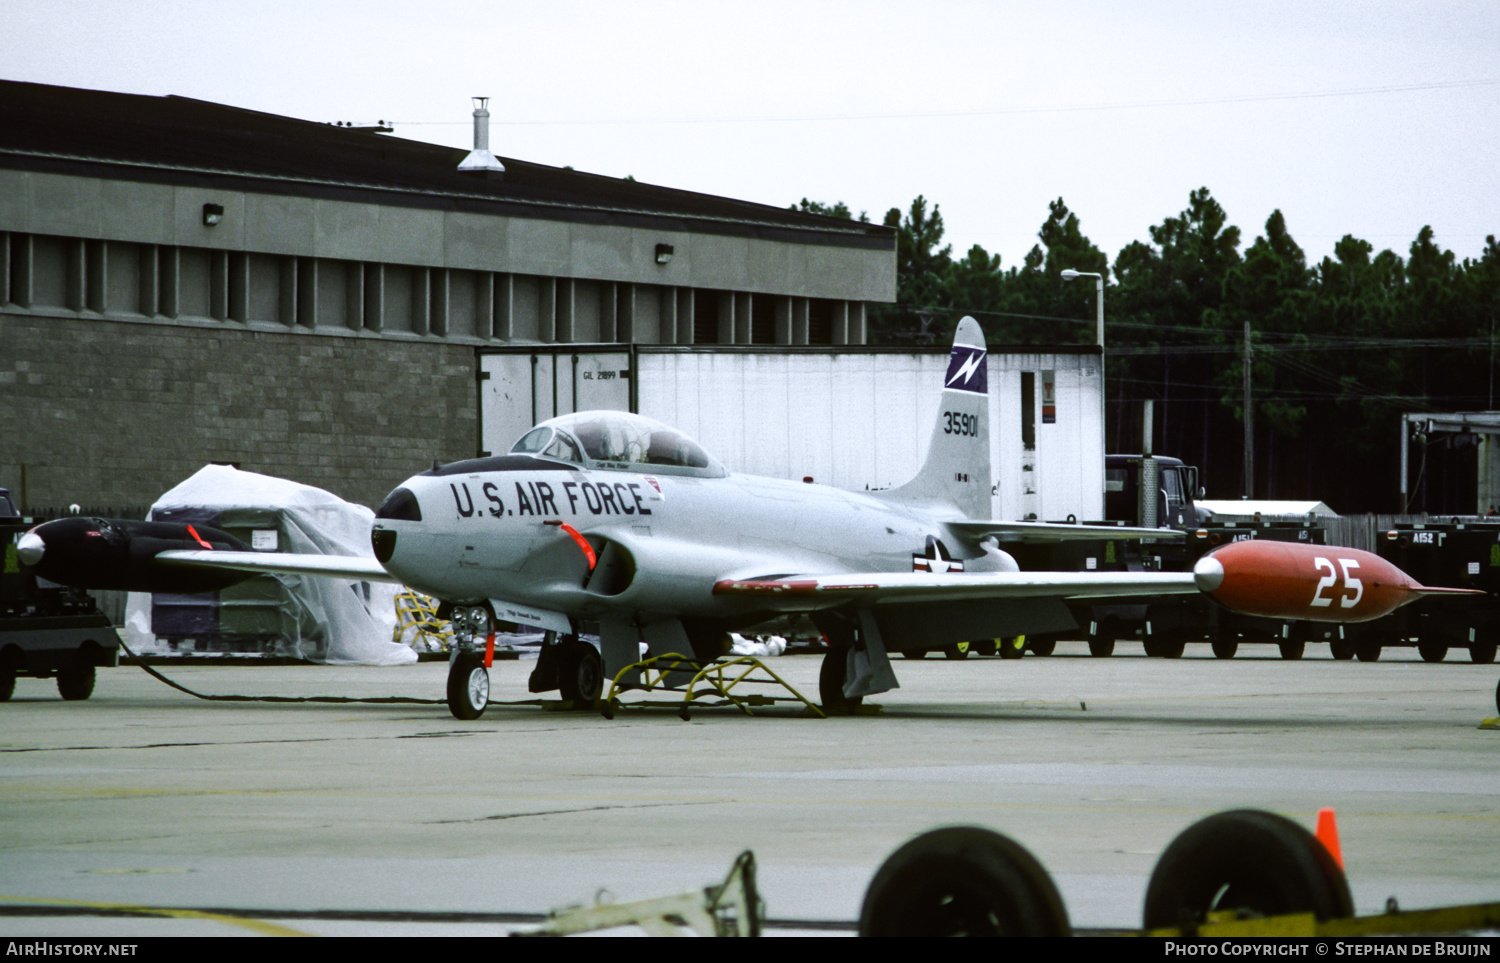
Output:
x=338 y=819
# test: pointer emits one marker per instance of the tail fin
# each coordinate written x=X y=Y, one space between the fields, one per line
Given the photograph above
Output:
x=957 y=469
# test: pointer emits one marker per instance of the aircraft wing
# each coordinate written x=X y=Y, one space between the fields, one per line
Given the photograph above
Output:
x=352 y=567
x=887 y=587
x=1057 y=531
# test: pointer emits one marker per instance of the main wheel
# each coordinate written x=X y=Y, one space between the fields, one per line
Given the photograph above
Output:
x=1431 y=651
x=76 y=681
x=1367 y=651
x=1101 y=646
x=1341 y=649
x=468 y=686
x=1482 y=653
x=914 y=654
x=962 y=881
x=1245 y=859
x=1013 y=647
x=7 y=681
x=1224 y=648
x=580 y=676
x=985 y=647
x=958 y=650
x=831 y=676
x=1292 y=649
x=1041 y=646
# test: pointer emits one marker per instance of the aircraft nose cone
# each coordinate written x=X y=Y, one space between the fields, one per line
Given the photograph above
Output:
x=31 y=548
x=1208 y=574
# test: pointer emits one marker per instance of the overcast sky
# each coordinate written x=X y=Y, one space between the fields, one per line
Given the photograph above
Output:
x=1371 y=118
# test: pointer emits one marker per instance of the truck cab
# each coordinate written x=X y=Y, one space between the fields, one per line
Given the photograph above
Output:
x=1174 y=484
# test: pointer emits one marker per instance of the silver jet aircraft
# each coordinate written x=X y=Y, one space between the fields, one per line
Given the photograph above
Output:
x=611 y=521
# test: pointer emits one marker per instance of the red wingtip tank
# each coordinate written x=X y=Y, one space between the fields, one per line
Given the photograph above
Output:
x=1316 y=583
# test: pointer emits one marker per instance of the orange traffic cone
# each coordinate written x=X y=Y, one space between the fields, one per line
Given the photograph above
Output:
x=1328 y=835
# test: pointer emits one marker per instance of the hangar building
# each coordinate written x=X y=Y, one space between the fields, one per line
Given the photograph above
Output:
x=183 y=282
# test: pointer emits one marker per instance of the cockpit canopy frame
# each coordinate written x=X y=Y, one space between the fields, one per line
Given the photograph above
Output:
x=618 y=441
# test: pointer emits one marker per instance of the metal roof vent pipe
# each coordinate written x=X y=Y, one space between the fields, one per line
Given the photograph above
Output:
x=480 y=158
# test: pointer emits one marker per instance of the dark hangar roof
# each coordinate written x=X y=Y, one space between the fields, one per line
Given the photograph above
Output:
x=178 y=140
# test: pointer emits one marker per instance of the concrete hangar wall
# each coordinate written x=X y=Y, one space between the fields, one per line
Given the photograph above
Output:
x=184 y=282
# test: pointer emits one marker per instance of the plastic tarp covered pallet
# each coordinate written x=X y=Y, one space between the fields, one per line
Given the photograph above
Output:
x=318 y=619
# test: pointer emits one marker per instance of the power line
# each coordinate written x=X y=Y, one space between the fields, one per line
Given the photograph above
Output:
x=979 y=112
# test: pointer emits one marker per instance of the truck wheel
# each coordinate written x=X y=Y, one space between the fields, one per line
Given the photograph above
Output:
x=1167 y=645
x=831 y=676
x=1224 y=648
x=914 y=654
x=1041 y=646
x=985 y=647
x=1367 y=651
x=1341 y=649
x=958 y=650
x=962 y=881
x=1245 y=859
x=1292 y=650
x=1482 y=653
x=1013 y=647
x=1431 y=651
x=1101 y=646
x=468 y=686
x=76 y=682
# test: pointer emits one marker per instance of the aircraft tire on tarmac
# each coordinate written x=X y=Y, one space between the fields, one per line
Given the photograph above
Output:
x=958 y=650
x=962 y=881
x=914 y=654
x=7 y=678
x=468 y=686
x=1168 y=645
x=1341 y=649
x=1101 y=646
x=831 y=677
x=1431 y=651
x=985 y=647
x=1224 y=648
x=1292 y=649
x=580 y=675
x=1367 y=651
x=1482 y=653
x=1013 y=647
x=75 y=682
x=1041 y=646
x=1245 y=859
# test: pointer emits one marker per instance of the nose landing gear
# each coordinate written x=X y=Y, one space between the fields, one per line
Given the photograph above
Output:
x=468 y=668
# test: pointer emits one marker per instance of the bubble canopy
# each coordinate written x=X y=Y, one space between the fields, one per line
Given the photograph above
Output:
x=618 y=441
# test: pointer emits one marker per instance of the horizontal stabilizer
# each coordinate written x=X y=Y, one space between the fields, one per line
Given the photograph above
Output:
x=1058 y=531
x=351 y=567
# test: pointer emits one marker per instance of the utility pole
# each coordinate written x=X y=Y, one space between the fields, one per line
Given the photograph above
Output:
x=1249 y=422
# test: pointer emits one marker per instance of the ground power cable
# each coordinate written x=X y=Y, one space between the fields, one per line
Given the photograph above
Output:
x=382 y=700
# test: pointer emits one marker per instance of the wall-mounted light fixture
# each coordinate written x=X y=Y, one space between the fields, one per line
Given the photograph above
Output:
x=663 y=253
x=212 y=214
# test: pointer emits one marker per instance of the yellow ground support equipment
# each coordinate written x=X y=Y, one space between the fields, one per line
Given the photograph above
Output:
x=418 y=625
x=719 y=677
x=730 y=909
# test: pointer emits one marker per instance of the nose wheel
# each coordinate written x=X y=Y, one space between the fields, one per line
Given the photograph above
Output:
x=468 y=686
x=468 y=677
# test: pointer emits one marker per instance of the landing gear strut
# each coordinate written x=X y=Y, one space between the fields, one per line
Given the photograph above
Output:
x=468 y=677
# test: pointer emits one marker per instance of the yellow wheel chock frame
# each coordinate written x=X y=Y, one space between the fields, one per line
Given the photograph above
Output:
x=718 y=677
